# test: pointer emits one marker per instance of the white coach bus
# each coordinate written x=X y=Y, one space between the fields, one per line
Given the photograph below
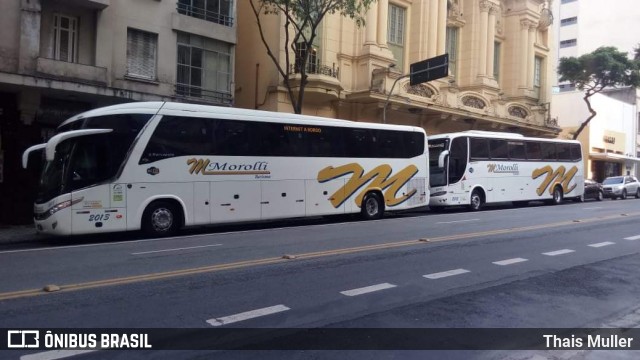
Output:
x=160 y=166
x=474 y=168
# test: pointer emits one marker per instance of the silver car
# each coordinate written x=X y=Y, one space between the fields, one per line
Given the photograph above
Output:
x=620 y=186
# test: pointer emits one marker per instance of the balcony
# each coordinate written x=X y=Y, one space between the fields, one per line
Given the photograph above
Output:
x=90 y=4
x=200 y=95
x=69 y=71
x=217 y=17
x=323 y=82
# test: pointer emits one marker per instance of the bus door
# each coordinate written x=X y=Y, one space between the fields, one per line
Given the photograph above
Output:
x=457 y=166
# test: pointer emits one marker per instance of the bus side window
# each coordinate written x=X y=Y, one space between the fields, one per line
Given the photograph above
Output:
x=516 y=150
x=499 y=149
x=534 y=151
x=564 y=151
x=178 y=136
x=231 y=138
x=359 y=143
x=479 y=149
x=576 y=152
x=549 y=151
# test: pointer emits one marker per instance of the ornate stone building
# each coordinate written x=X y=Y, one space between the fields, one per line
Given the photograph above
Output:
x=499 y=71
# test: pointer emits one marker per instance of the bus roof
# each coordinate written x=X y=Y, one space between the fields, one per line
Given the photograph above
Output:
x=492 y=134
x=193 y=110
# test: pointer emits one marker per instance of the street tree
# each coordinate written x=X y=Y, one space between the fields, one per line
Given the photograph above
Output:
x=605 y=67
x=301 y=21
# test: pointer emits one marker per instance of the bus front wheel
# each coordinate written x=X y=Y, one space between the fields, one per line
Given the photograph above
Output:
x=161 y=218
x=372 y=206
x=476 y=201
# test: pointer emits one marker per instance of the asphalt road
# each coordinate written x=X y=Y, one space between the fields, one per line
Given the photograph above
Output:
x=573 y=265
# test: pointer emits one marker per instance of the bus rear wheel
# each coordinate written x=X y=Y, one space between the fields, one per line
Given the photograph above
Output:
x=557 y=196
x=476 y=201
x=372 y=206
x=161 y=218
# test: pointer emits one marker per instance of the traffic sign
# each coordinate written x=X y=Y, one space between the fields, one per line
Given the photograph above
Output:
x=430 y=69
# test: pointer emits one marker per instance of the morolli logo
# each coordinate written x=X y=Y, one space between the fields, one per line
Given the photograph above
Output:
x=503 y=169
x=206 y=167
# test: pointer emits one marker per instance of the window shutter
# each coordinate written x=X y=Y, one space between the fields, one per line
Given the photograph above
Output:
x=141 y=54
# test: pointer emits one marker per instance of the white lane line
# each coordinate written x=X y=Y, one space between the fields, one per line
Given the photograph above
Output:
x=446 y=274
x=637 y=237
x=558 y=252
x=176 y=249
x=606 y=243
x=510 y=261
x=55 y=354
x=367 y=289
x=247 y=315
x=456 y=221
x=593 y=208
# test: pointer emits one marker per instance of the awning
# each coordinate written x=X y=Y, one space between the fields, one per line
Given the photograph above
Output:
x=614 y=157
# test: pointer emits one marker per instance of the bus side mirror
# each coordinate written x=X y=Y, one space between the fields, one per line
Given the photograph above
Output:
x=442 y=158
x=25 y=154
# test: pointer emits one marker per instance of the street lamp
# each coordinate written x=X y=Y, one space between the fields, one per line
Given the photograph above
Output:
x=384 y=109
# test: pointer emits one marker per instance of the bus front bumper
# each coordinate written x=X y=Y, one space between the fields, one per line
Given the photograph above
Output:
x=57 y=224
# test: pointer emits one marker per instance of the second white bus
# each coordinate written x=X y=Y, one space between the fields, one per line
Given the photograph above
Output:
x=474 y=168
x=160 y=166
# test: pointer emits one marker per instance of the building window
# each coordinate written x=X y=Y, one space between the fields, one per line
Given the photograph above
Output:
x=142 y=50
x=452 y=50
x=395 y=35
x=567 y=87
x=217 y=11
x=568 y=43
x=566 y=1
x=65 y=38
x=497 y=46
x=569 y=21
x=204 y=68
x=537 y=76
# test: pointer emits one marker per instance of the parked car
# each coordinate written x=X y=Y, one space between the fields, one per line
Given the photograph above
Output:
x=593 y=190
x=621 y=186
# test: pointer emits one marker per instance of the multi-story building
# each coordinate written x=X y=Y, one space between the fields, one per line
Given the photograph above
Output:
x=612 y=138
x=499 y=65
x=61 y=57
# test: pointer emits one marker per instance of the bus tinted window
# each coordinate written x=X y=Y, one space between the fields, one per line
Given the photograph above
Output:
x=328 y=142
x=176 y=136
x=499 y=149
x=576 y=152
x=564 y=151
x=479 y=149
x=548 y=150
x=359 y=142
x=516 y=150
x=534 y=151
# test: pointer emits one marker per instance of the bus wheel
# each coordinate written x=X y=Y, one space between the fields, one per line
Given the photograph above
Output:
x=557 y=195
x=372 y=206
x=160 y=219
x=476 y=201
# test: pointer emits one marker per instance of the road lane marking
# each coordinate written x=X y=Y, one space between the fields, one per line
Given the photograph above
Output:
x=444 y=274
x=593 y=208
x=606 y=243
x=456 y=221
x=558 y=252
x=55 y=354
x=510 y=261
x=247 y=315
x=303 y=256
x=367 y=289
x=176 y=249
x=637 y=237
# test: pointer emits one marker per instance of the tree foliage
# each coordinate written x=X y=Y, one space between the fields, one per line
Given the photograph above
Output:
x=301 y=21
x=605 y=67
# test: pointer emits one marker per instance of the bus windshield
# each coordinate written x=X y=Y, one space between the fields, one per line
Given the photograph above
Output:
x=84 y=161
x=437 y=175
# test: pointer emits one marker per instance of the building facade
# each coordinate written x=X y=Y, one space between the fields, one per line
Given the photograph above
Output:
x=499 y=65
x=612 y=140
x=62 y=57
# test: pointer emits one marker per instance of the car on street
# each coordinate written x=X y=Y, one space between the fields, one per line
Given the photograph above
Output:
x=621 y=186
x=593 y=190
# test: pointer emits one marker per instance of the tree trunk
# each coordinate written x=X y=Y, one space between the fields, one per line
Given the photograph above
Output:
x=586 y=122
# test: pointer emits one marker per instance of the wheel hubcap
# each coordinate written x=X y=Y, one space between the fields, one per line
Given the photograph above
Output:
x=475 y=201
x=372 y=206
x=162 y=219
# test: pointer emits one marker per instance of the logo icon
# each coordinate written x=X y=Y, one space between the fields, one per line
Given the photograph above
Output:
x=21 y=339
x=153 y=171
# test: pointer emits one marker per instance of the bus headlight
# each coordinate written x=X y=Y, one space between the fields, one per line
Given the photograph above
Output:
x=63 y=205
x=438 y=193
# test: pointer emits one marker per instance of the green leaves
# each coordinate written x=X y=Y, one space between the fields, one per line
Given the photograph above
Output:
x=604 y=67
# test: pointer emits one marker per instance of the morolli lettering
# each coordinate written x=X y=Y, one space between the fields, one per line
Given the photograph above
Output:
x=206 y=167
x=592 y=341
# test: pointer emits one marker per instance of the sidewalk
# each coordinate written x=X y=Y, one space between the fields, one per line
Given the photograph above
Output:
x=11 y=234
